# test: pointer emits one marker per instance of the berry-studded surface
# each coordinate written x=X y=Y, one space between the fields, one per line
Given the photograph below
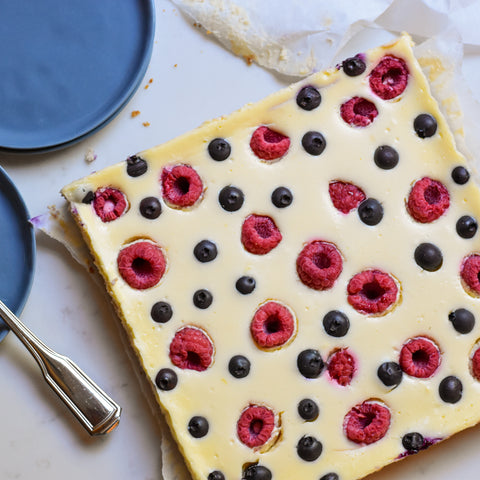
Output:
x=301 y=279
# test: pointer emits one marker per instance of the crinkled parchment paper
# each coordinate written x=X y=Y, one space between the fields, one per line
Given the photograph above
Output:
x=297 y=38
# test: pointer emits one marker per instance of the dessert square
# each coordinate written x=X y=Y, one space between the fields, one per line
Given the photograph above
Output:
x=300 y=279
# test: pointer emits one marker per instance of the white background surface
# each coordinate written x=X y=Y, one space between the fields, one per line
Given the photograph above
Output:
x=194 y=79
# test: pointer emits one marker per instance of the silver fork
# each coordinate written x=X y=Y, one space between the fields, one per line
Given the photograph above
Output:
x=95 y=410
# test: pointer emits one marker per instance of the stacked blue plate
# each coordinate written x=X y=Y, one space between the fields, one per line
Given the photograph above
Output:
x=68 y=67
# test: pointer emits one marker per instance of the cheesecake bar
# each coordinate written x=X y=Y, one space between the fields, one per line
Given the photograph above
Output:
x=301 y=279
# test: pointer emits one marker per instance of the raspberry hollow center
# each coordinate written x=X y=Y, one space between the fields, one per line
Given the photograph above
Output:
x=264 y=228
x=365 y=419
x=271 y=136
x=273 y=324
x=432 y=194
x=193 y=361
x=364 y=108
x=256 y=426
x=373 y=290
x=392 y=77
x=182 y=185
x=420 y=358
x=142 y=267
x=321 y=260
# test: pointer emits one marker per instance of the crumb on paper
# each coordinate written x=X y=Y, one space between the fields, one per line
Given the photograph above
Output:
x=135 y=113
x=146 y=124
x=176 y=65
x=54 y=213
x=90 y=155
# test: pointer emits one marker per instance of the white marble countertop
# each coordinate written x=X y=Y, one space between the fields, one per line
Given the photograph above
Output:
x=194 y=79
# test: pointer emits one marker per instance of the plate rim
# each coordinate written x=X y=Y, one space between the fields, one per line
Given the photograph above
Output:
x=30 y=243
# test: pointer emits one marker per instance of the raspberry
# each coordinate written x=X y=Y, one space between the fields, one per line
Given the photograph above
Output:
x=255 y=426
x=181 y=185
x=367 y=422
x=358 y=112
x=428 y=200
x=389 y=78
x=470 y=273
x=191 y=349
x=141 y=264
x=372 y=292
x=341 y=367
x=419 y=357
x=345 y=196
x=268 y=144
x=319 y=264
x=475 y=364
x=260 y=234
x=109 y=203
x=272 y=325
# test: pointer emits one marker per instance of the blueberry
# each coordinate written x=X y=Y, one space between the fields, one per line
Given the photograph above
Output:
x=136 y=166
x=309 y=98
x=219 y=149
x=309 y=448
x=202 y=298
x=428 y=256
x=257 y=472
x=466 y=226
x=385 y=157
x=310 y=363
x=166 y=379
x=231 y=198
x=330 y=476
x=205 y=251
x=89 y=197
x=282 y=197
x=353 y=66
x=161 y=312
x=308 y=409
x=450 y=389
x=150 y=207
x=462 y=320
x=216 y=475
x=425 y=125
x=390 y=374
x=239 y=366
x=413 y=441
x=460 y=175
x=245 y=285
x=336 y=323
x=370 y=211
x=314 y=143
x=198 y=426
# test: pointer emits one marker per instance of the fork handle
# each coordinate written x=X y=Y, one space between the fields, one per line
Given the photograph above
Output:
x=95 y=410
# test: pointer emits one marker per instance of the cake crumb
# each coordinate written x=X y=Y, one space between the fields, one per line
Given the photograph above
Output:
x=135 y=113
x=54 y=213
x=90 y=156
x=148 y=84
x=175 y=66
x=146 y=124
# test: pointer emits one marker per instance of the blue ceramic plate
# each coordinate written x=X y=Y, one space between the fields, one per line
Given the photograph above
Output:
x=68 y=67
x=17 y=249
